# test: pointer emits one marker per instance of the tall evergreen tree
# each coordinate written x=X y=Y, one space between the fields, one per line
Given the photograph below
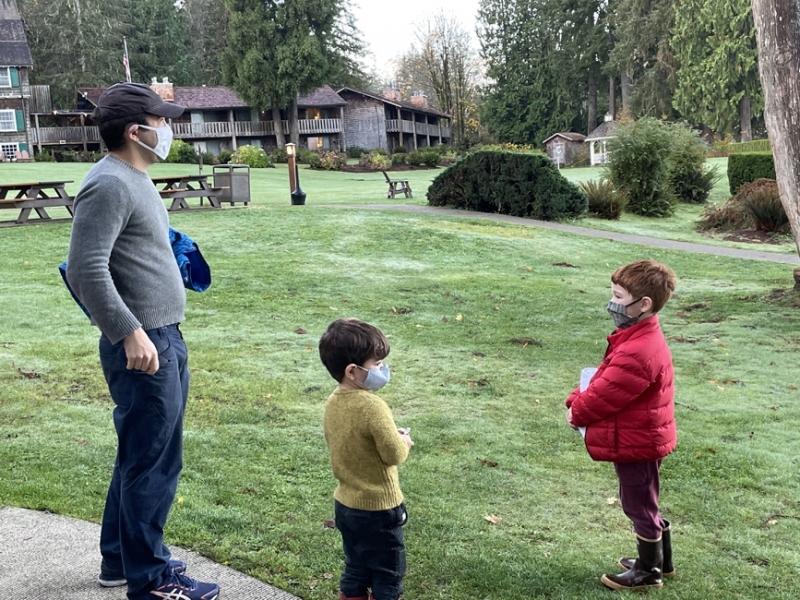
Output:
x=715 y=44
x=277 y=49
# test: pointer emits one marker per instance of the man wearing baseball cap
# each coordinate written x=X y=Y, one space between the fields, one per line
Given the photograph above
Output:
x=122 y=269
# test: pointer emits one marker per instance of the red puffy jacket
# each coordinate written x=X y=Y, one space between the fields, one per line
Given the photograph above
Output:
x=628 y=408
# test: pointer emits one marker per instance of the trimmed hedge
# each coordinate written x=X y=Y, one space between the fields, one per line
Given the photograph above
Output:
x=749 y=166
x=509 y=183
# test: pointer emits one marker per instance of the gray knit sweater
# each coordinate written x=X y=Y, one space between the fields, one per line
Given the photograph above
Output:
x=121 y=264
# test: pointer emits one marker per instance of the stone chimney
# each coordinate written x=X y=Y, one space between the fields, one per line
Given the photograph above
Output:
x=420 y=100
x=390 y=92
x=163 y=89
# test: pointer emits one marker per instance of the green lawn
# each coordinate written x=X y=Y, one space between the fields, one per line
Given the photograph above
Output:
x=452 y=294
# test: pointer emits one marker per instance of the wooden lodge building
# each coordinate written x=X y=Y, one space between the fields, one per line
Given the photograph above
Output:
x=15 y=62
x=216 y=119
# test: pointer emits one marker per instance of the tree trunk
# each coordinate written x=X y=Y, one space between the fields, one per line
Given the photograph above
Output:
x=612 y=97
x=592 y=109
x=778 y=35
x=745 y=120
x=626 y=84
x=277 y=123
x=294 y=126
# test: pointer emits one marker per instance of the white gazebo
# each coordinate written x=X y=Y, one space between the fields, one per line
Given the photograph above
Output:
x=598 y=153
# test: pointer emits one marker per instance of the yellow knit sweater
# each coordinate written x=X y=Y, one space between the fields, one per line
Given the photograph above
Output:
x=365 y=450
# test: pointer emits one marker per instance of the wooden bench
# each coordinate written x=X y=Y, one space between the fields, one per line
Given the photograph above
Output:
x=397 y=186
x=171 y=191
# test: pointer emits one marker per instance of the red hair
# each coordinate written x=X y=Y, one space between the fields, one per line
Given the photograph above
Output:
x=647 y=278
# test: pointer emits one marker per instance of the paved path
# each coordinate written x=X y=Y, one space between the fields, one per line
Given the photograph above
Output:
x=608 y=235
x=49 y=557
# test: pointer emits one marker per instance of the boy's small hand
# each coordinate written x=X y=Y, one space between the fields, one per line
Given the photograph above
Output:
x=569 y=418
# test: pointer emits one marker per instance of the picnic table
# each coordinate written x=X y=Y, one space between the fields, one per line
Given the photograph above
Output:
x=181 y=187
x=35 y=196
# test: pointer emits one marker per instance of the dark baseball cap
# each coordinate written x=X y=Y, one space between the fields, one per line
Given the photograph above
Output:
x=126 y=99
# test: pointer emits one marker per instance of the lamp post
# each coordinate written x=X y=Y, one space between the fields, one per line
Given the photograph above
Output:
x=298 y=195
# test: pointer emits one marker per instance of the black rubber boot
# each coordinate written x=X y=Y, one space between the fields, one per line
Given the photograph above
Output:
x=646 y=571
x=668 y=569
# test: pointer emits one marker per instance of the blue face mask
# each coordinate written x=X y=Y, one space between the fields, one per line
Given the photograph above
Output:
x=376 y=378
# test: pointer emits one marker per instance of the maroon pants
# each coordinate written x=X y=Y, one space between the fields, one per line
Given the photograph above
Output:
x=638 y=495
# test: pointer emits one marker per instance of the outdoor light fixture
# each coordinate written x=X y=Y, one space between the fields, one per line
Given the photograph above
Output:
x=298 y=196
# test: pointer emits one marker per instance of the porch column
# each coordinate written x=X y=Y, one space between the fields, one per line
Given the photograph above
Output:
x=233 y=130
x=342 y=133
x=400 y=124
x=428 y=130
x=414 y=126
x=83 y=133
x=38 y=133
x=439 y=121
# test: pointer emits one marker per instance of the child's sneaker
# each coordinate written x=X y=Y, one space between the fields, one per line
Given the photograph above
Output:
x=110 y=578
x=180 y=587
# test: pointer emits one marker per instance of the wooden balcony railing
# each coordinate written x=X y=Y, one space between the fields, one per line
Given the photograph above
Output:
x=64 y=135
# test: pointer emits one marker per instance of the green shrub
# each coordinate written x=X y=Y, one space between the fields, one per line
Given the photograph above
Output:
x=685 y=161
x=306 y=156
x=604 y=201
x=356 y=151
x=253 y=156
x=279 y=156
x=512 y=183
x=224 y=156
x=379 y=151
x=400 y=158
x=209 y=158
x=638 y=166
x=181 y=152
x=375 y=161
x=330 y=161
x=762 y=201
x=44 y=156
x=428 y=157
x=749 y=166
x=399 y=150
x=414 y=158
x=757 y=205
x=694 y=187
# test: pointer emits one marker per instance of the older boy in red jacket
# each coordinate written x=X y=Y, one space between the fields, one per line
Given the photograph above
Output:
x=628 y=413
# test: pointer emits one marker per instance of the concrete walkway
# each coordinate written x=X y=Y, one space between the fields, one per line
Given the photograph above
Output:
x=49 y=557
x=792 y=259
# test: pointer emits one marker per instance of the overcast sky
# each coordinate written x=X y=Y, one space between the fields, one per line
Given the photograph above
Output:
x=388 y=27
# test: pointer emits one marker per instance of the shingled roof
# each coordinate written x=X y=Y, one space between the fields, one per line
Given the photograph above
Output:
x=14 y=49
x=322 y=96
x=603 y=131
x=567 y=135
x=401 y=103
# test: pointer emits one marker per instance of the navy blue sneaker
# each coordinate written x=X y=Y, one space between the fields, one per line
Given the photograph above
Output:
x=110 y=578
x=180 y=587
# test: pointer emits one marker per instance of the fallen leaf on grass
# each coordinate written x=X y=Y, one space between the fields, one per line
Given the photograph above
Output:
x=476 y=353
x=459 y=318
x=772 y=522
x=692 y=307
x=300 y=331
x=610 y=501
x=683 y=340
x=327 y=576
x=329 y=524
x=565 y=264
x=526 y=342
x=480 y=383
x=401 y=310
x=27 y=374
x=488 y=463
x=493 y=519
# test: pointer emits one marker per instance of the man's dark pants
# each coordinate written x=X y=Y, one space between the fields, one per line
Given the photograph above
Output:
x=374 y=551
x=639 y=486
x=149 y=423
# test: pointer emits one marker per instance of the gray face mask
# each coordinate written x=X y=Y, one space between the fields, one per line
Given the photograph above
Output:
x=376 y=378
x=619 y=314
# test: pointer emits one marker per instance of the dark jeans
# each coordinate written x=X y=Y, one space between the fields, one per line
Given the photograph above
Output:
x=374 y=551
x=149 y=423
x=638 y=494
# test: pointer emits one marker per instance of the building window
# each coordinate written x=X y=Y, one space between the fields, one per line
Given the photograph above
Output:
x=9 y=151
x=8 y=120
x=5 y=77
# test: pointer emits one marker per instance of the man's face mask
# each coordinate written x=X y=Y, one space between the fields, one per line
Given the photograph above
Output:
x=162 y=147
x=376 y=378
x=619 y=314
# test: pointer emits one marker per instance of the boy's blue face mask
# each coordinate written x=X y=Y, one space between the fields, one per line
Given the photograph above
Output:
x=376 y=378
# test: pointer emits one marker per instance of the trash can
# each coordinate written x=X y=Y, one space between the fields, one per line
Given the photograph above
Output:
x=234 y=181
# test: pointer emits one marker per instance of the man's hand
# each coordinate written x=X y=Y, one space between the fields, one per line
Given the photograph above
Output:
x=141 y=353
x=569 y=418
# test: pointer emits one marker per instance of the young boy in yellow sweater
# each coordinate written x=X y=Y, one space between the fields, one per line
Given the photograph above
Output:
x=365 y=446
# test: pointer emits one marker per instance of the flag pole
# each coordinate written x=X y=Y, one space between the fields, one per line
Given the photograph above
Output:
x=126 y=62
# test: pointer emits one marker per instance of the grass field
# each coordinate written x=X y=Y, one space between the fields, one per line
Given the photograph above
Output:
x=456 y=297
